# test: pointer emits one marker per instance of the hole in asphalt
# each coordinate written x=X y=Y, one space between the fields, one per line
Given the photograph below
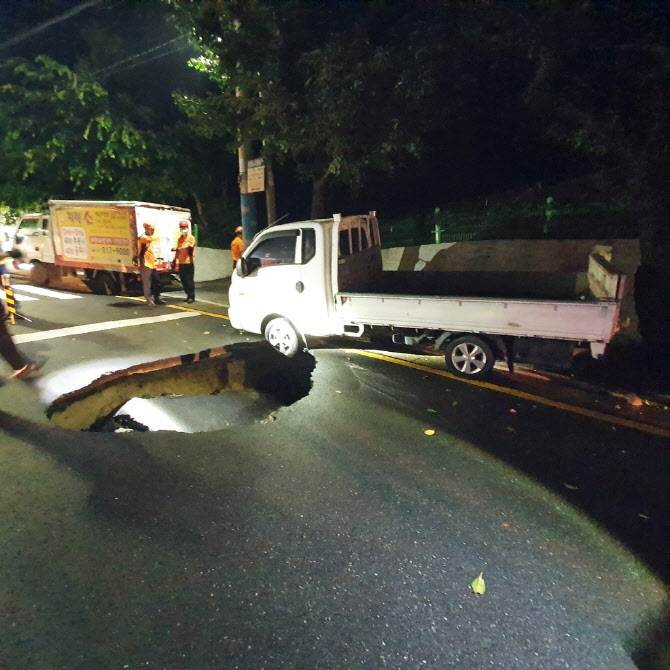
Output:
x=240 y=384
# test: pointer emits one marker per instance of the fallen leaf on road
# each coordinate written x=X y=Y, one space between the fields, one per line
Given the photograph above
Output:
x=505 y=525
x=455 y=403
x=478 y=585
x=510 y=429
x=571 y=487
x=206 y=332
x=643 y=516
x=430 y=411
x=430 y=431
x=338 y=391
x=512 y=411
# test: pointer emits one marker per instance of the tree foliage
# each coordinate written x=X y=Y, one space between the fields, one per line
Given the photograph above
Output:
x=600 y=84
x=340 y=89
x=61 y=131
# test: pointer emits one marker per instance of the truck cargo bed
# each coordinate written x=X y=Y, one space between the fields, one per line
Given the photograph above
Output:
x=568 y=286
x=578 y=320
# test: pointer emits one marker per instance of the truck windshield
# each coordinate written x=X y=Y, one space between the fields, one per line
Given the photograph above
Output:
x=28 y=224
x=277 y=249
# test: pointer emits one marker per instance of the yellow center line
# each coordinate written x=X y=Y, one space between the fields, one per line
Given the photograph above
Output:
x=184 y=309
x=591 y=414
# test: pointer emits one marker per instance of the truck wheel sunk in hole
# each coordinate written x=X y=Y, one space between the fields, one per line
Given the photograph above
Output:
x=283 y=337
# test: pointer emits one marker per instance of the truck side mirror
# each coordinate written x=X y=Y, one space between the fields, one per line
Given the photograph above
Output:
x=244 y=266
x=251 y=265
x=19 y=237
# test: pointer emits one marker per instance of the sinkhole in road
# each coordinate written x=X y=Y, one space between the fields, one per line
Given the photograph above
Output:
x=240 y=384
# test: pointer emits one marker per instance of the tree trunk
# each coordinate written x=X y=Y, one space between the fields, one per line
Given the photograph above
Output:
x=270 y=199
x=319 y=196
x=198 y=206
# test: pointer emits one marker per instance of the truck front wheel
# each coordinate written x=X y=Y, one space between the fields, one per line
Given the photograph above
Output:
x=39 y=274
x=283 y=337
x=469 y=356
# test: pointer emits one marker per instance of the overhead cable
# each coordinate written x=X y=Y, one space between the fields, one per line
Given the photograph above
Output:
x=143 y=62
x=112 y=69
x=47 y=24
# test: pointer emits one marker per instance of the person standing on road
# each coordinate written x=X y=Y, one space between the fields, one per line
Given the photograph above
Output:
x=237 y=246
x=185 y=259
x=151 y=285
x=22 y=367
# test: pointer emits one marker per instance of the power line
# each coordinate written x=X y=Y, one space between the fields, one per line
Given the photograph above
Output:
x=47 y=24
x=112 y=69
x=148 y=60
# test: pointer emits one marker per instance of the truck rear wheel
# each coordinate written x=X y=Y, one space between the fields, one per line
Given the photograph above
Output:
x=283 y=337
x=104 y=284
x=469 y=356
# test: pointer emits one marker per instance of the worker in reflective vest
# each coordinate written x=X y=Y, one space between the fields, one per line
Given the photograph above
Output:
x=151 y=284
x=237 y=246
x=184 y=259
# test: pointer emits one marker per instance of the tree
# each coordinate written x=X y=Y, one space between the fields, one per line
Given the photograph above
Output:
x=61 y=134
x=340 y=89
x=600 y=84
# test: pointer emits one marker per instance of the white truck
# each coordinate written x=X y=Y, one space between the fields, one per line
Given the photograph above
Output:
x=96 y=241
x=324 y=277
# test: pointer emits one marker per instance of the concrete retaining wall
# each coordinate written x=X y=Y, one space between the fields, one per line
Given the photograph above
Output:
x=212 y=264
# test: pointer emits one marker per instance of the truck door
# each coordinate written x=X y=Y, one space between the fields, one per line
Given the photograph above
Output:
x=270 y=284
x=312 y=292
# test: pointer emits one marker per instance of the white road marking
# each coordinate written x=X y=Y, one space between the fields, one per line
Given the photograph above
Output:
x=96 y=327
x=49 y=293
x=18 y=297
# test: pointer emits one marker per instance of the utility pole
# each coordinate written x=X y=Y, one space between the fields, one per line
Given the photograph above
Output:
x=247 y=201
x=270 y=202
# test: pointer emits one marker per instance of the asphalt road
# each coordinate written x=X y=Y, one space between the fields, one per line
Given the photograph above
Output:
x=337 y=535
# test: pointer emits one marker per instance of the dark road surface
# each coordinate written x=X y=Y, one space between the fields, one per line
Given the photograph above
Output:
x=339 y=535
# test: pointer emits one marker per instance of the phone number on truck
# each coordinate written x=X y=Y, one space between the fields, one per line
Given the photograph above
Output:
x=110 y=251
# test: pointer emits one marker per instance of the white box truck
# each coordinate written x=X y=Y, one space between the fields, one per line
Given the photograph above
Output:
x=96 y=241
x=324 y=277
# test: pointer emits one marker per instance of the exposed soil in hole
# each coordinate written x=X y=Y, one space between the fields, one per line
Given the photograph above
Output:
x=243 y=383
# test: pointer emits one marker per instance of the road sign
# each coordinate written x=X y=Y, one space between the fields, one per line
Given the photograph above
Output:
x=255 y=176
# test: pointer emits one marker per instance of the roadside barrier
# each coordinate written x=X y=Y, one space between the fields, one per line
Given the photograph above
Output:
x=11 y=301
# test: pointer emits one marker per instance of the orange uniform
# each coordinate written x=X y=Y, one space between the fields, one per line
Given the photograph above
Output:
x=145 y=251
x=236 y=248
x=185 y=252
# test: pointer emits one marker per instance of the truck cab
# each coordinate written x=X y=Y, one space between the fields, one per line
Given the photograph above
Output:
x=284 y=285
x=33 y=240
x=281 y=280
